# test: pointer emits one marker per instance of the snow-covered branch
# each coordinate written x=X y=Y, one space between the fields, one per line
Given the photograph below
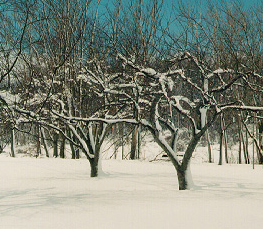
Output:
x=241 y=107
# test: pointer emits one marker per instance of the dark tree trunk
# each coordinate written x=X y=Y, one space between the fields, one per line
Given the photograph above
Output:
x=38 y=141
x=44 y=141
x=73 y=151
x=181 y=175
x=134 y=143
x=62 y=148
x=260 y=148
x=182 y=169
x=226 y=153
x=94 y=165
x=12 y=143
x=221 y=139
x=76 y=150
x=77 y=153
x=225 y=141
x=240 y=140
x=209 y=147
x=93 y=168
x=244 y=147
x=55 y=144
x=221 y=148
x=248 y=161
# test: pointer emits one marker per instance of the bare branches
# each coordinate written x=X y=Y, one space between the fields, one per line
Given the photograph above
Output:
x=20 y=48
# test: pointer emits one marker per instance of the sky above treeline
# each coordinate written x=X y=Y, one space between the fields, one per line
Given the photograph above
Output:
x=169 y=5
x=198 y=3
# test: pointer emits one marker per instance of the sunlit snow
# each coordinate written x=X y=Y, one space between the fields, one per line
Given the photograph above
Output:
x=58 y=193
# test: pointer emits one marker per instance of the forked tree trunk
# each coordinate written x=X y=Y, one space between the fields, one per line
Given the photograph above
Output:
x=183 y=170
x=184 y=176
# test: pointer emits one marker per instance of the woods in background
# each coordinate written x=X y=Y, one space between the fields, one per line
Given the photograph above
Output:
x=81 y=72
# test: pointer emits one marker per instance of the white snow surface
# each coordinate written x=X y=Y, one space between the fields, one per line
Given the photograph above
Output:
x=149 y=71
x=58 y=193
x=203 y=112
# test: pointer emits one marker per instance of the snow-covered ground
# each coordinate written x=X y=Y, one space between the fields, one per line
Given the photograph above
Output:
x=58 y=193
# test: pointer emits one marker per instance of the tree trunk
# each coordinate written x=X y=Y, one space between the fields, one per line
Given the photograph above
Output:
x=134 y=143
x=13 y=143
x=226 y=153
x=209 y=147
x=76 y=149
x=220 y=161
x=240 y=140
x=62 y=147
x=44 y=141
x=225 y=141
x=122 y=141
x=55 y=144
x=77 y=153
x=94 y=165
x=73 y=151
x=38 y=141
x=259 y=153
x=93 y=168
x=183 y=169
x=248 y=161
x=181 y=175
x=244 y=148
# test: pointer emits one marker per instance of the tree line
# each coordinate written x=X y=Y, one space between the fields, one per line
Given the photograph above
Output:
x=74 y=70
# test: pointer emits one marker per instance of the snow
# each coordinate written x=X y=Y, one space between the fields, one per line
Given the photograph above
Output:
x=149 y=71
x=217 y=71
x=9 y=98
x=203 y=112
x=189 y=177
x=58 y=193
x=91 y=136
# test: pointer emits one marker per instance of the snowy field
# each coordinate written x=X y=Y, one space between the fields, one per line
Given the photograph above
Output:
x=58 y=193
